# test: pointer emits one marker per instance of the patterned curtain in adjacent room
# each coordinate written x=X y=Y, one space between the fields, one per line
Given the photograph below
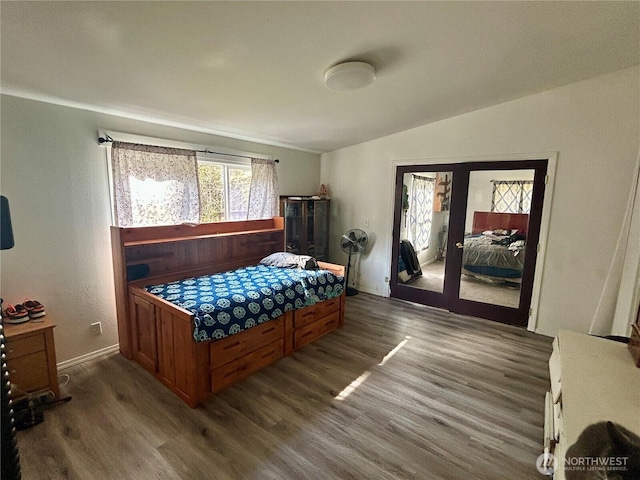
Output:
x=264 y=193
x=513 y=196
x=154 y=185
x=421 y=211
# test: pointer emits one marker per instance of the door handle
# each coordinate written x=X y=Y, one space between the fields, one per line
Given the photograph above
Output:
x=460 y=245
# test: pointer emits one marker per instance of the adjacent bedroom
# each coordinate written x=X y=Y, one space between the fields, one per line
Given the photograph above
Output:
x=320 y=240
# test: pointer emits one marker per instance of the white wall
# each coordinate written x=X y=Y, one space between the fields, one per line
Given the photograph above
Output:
x=593 y=125
x=54 y=173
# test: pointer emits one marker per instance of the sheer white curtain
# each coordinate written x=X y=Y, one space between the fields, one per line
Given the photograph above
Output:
x=264 y=193
x=154 y=185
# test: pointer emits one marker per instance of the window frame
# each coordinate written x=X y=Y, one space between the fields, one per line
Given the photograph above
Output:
x=226 y=163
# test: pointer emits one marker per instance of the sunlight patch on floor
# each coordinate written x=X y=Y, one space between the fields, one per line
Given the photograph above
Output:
x=358 y=381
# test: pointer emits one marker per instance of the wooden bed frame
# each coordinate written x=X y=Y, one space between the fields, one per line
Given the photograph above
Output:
x=158 y=335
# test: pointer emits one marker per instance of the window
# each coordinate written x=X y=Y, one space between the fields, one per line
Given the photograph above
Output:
x=421 y=211
x=512 y=196
x=158 y=185
x=224 y=189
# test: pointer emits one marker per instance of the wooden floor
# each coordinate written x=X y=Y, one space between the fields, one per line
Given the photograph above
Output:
x=402 y=391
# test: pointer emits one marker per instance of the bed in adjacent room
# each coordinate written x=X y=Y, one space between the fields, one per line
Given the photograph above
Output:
x=495 y=249
x=201 y=307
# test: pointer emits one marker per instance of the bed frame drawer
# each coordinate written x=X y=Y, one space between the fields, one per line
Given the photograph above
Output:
x=314 y=330
x=308 y=315
x=225 y=375
x=235 y=346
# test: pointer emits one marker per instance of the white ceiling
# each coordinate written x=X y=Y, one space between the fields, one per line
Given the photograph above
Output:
x=256 y=69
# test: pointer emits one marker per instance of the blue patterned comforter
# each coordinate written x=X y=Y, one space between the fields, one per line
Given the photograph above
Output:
x=231 y=302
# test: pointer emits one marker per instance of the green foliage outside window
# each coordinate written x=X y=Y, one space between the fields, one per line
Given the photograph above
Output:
x=213 y=206
x=239 y=183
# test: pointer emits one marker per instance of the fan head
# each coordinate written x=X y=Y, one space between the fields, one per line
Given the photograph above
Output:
x=354 y=241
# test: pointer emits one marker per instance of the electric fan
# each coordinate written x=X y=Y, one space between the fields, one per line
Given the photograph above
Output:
x=353 y=242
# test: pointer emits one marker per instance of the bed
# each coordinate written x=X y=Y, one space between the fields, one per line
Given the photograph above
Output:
x=198 y=311
x=495 y=249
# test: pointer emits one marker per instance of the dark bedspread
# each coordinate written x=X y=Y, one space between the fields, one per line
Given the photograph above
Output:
x=230 y=302
x=487 y=256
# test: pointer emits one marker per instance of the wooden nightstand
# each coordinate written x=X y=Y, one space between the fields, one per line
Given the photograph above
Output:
x=31 y=357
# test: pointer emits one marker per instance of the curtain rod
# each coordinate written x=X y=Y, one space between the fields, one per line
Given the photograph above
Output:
x=108 y=139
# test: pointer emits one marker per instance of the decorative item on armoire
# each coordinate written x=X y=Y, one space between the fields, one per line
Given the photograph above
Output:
x=323 y=193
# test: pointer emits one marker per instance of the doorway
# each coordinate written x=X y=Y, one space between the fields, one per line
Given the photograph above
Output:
x=465 y=236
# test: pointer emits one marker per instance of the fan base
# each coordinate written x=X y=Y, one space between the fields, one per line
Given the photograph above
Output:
x=351 y=291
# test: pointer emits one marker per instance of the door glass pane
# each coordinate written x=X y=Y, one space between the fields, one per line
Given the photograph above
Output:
x=293 y=221
x=496 y=226
x=311 y=211
x=320 y=230
x=423 y=229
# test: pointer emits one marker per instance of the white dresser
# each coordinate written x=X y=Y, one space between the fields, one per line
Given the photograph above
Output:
x=592 y=380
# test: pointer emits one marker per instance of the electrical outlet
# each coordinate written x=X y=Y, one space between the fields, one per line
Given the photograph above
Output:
x=96 y=328
x=365 y=222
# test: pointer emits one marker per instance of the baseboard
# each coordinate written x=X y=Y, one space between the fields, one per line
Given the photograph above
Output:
x=89 y=356
x=372 y=292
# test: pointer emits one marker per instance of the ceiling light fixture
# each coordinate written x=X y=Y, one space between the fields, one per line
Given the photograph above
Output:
x=350 y=76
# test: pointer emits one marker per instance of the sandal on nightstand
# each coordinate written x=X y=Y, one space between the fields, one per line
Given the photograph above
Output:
x=17 y=314
x=34 y=308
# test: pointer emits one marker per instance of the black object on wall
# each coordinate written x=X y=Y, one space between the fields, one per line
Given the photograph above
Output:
x=10 y=469
x=6 y=231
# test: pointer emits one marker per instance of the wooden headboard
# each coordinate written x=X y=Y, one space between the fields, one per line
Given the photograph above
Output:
x=483 y=221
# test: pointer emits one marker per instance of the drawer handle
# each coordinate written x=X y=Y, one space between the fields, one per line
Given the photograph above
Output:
x=268 y=354
x=231 y=345
x=307 y=314
x=228 y=374
x=10 y=350
x=269 y=331
x=307 y=334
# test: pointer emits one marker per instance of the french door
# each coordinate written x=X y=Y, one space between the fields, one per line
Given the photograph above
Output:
x=465 y=236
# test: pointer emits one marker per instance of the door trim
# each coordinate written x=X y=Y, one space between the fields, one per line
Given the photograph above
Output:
x=551 y=158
